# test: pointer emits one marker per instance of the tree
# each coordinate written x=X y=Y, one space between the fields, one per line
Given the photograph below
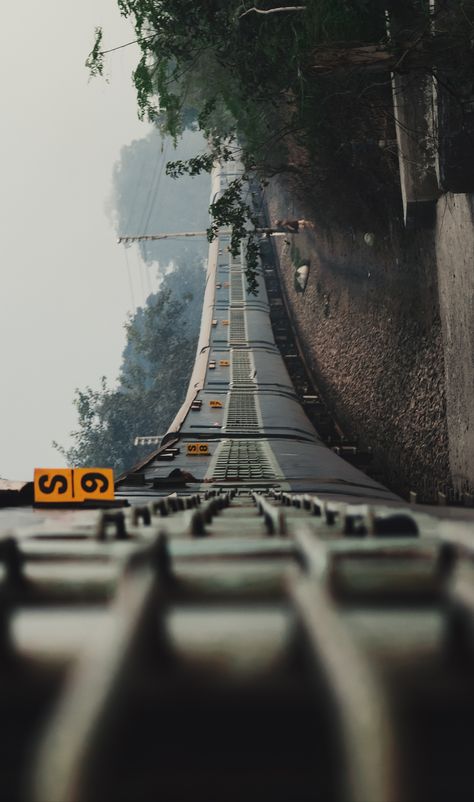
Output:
x=229 y=66
x=156 y=365
x=265 y=79
x=258 y=55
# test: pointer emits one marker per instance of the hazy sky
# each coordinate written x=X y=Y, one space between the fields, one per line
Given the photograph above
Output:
x=64 y=290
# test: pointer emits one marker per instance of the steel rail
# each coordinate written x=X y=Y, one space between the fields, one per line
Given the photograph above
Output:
x=368 y=741
x=64 y=750
x=274 y=517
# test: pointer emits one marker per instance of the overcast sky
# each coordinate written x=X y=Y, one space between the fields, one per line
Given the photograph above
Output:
x=64 y=288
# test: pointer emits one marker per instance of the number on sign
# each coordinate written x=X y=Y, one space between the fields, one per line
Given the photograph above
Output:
x=201 y=449
x=66 y=485
x=52 y=485
x=94 y=483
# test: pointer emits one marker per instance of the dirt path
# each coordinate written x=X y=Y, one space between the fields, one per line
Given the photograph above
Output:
x=370 y=323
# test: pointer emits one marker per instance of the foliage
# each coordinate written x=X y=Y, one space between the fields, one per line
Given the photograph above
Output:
x=228 y=72
x=95 y=59
x=157 y=362
x=104 y=436
x=193 y=166
x=274 y=81
x=231 y=210
x=228 y=210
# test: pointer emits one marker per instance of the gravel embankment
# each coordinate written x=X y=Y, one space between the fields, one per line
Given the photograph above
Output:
x=369 y=323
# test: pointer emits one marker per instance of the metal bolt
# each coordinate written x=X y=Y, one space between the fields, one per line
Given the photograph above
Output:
x=117 y=519
x=141 y=514
x=173 y=504
x=197 y=525
x=12 y=557
x=393 y=525
x=159 y=507
x=446 y=562
x=354 y=526
x=161 y=557
x=282 y=530
x=315 y=507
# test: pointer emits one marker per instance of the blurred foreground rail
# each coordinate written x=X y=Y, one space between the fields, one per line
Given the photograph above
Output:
x=257 y=645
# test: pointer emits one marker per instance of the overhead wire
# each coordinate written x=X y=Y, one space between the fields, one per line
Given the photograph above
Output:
x=143 y=267
x=134 y=199
x=127 y=230
x=142 y=284
x=130 y=284
x=155 y=172
x=157 y=186
x=153 y=188
x=148 y=207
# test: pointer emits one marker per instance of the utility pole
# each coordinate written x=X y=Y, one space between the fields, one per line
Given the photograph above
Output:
x=278 y=231
x=152 y=237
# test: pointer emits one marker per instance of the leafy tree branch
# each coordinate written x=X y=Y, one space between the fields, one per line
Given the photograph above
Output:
x=272 y=10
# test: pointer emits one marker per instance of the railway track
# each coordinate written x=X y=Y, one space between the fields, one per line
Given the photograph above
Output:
x=251 y=618
x=238 y=646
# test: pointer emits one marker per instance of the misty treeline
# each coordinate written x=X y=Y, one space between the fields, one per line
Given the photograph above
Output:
x=161 y=336
x=145 y=200
x=156 y=366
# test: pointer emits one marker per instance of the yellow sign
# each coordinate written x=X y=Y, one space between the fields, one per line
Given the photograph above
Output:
x=53 y=485
x=215 y=404
x=66 y=485
x=224 y=363
x=94 y=483
x=198 y=449
x=225 y=322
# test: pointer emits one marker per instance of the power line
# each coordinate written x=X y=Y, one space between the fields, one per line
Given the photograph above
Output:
x=130 y=285
x=142 y=285
x=143 y=267
x=170 y=235
x=158 y=182
x=135 y=194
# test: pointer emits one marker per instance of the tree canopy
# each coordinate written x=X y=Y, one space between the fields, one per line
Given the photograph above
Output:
x=213 y=64
x=258 y=78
